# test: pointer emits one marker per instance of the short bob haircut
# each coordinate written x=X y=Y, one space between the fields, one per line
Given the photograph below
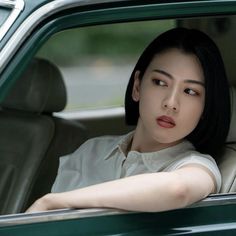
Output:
x=212 y=129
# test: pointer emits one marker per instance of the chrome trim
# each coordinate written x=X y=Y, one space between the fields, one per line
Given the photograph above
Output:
x=8 y=3
x=92 y=113
x=18 y=6
x=46 y=10
x=216 y=199
x=56 y=215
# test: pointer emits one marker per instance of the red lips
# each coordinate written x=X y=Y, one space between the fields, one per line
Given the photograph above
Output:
x=165 y=122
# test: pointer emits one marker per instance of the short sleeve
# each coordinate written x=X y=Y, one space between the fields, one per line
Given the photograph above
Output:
x=201 y=159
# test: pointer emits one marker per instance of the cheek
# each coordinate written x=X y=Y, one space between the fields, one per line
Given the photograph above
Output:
x=194 y=111
x=149 y=100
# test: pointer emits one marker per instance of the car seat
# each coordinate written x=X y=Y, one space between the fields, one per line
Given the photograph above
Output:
x=32 y=139
x=227 y=159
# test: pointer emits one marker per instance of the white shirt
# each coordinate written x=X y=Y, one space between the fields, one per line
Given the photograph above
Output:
x=103 y=159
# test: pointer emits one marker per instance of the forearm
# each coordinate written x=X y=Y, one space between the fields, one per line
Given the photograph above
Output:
x=138 y=193
x=147 y=192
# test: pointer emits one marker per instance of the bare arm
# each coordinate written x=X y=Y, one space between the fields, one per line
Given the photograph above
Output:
x=147 y=192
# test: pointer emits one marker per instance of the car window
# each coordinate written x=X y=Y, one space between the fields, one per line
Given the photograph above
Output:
x=96 y=62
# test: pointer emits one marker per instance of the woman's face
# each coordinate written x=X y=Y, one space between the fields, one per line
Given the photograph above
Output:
x=171 y=97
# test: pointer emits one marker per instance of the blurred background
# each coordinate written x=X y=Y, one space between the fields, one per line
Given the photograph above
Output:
x=96 y=62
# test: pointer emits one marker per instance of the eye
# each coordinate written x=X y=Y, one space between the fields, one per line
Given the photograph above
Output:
x=159 y=82
x=191 y=92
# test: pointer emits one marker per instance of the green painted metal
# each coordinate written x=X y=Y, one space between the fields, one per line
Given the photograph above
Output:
x=221 y=218
x=30 y=6
x=214 y=220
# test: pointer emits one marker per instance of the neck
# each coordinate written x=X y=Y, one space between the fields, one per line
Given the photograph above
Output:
x=143 y=142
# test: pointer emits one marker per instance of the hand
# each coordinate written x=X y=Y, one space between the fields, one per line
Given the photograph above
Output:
x=40 y=205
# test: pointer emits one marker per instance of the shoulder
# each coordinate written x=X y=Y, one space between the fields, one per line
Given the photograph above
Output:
x=94 y=148
x=98 y=146
x=103 y=142
x=185 y=152
x=194 y=157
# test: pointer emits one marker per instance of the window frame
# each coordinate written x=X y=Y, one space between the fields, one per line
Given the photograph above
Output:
x=16 y=59
x=16 y=8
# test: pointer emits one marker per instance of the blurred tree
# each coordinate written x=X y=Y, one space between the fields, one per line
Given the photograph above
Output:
x=78 y=45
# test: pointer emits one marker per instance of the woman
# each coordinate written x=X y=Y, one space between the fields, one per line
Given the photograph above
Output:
x=178 y=98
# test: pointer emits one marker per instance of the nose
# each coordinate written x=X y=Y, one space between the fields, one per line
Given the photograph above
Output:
x=171 y=101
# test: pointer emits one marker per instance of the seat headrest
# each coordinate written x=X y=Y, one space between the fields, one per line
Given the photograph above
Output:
x=39 y=89
x=232 y=130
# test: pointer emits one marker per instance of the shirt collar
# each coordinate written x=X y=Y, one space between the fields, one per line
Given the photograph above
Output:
x=156 y=161
x=152 y=160
x=121 y=144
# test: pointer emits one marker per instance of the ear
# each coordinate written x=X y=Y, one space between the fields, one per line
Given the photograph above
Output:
x=136 y=87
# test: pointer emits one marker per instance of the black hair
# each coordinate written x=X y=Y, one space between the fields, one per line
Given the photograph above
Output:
x=212 y=129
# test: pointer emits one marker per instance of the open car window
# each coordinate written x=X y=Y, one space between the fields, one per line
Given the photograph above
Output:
x=96 y=63
x=95 y=58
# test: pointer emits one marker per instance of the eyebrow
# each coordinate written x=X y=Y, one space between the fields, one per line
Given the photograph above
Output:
x=171 y=77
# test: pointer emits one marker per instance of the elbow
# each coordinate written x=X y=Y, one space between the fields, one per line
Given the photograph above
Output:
x=180 y=194
x=176 y=196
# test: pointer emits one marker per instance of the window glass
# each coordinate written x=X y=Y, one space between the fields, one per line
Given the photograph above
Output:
x=96 y=62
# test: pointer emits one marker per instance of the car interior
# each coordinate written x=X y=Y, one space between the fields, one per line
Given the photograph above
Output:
x=37 y=136
x=34 y=118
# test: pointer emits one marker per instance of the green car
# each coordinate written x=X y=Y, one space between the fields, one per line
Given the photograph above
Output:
x=64 y=67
